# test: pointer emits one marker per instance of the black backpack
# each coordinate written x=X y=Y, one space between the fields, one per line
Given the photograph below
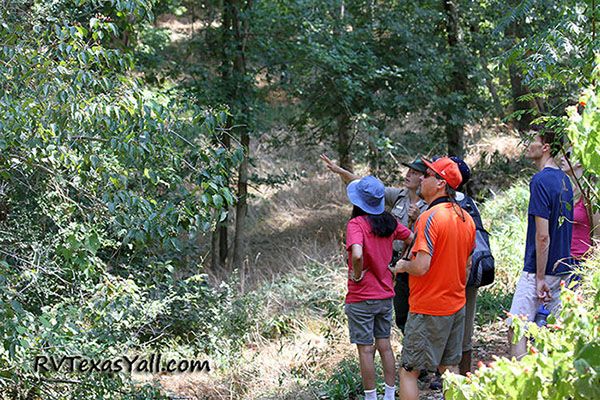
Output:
x=483 y=265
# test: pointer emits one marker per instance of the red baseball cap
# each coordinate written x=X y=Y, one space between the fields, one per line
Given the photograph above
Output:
x=447 y=169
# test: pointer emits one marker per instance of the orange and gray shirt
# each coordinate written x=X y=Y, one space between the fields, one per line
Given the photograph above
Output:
x=447 y=233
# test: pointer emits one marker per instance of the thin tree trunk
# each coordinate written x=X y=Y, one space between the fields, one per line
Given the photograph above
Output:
x=239 y=242
x=343 y=119
x=518 y=88
x=220 y=239
x=215 y=265
x=458 y=84
x=489 y=82
x=241 y=28
x=343 y=146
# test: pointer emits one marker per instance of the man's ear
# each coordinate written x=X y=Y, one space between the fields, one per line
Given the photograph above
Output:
x=546 y=147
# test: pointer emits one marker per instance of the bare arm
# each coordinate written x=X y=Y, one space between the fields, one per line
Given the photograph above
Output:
x=542 y=244
x=357 y=262
x=346 y=175
x=418 y=266
x=409 y=240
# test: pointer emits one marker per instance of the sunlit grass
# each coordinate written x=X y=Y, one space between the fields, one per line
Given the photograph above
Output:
x=505 y=218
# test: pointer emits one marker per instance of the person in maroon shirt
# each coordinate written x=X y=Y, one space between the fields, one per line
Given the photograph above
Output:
x=369 y=237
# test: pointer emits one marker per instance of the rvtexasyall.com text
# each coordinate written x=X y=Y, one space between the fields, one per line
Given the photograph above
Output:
x=150 y=364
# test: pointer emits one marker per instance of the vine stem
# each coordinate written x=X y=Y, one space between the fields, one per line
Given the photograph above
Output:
x=585 y=194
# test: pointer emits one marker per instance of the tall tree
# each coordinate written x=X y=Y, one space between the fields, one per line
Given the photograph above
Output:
x=240 y=24
x=454 y=125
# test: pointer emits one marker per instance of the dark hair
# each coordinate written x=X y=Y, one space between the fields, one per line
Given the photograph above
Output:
x=550 y=137
x=451 y=193
x=382 y=225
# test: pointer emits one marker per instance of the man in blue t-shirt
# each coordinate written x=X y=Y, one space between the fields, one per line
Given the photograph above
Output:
x=548 y=234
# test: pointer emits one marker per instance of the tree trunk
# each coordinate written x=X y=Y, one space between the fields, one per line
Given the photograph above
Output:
x=514 y=31
x=239 y=241
x=215 y=265
x=220 y=237
x=240 y=29
x=518 y=90
x=489 y=82
x=454 y=139
x=343 y=145
x=459 y=81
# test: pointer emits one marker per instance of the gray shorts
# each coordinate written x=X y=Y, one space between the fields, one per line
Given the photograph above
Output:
x=369 y=319
x=431 y=341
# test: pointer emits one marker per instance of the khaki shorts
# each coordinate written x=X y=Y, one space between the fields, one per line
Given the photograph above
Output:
x=431 y=341
x=525 y=300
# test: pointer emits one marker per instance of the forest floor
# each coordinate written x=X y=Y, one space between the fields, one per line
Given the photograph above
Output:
x=298 y=224
x=296 y=255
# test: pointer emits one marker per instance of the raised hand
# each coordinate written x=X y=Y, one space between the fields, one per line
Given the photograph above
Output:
x=331 y=165
x=346 y=175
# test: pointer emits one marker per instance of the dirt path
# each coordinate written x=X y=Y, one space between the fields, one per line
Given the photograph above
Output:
x=303 y=219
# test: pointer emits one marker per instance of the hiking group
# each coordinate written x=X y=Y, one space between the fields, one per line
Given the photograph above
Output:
x=421 y=252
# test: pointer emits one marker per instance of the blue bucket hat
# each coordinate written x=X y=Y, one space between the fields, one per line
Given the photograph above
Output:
x=368 y=194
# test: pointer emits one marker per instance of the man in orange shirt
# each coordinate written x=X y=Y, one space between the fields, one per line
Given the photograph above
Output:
x=445 y=238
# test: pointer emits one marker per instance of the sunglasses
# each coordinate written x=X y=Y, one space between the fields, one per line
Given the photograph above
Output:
x=430 y=173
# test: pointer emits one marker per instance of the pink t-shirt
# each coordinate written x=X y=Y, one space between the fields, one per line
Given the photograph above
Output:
x=581 y=240
x=378 y=282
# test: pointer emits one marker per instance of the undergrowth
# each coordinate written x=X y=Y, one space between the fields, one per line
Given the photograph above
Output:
x=505 y=218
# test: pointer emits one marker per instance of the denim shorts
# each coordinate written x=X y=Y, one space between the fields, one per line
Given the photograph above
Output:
x=369 y=319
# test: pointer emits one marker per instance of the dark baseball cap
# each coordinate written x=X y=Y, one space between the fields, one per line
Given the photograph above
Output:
x=464 y=169
x=417 y=165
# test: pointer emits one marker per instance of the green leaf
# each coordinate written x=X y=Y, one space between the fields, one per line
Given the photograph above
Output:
x=217 y=200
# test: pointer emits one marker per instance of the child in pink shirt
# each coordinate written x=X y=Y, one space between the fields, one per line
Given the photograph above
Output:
x=369 y=302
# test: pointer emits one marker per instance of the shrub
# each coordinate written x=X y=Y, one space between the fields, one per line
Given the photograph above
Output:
x=505 y=217
x=563 y=360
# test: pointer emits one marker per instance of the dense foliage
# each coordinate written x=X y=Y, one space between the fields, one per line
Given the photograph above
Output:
x=103 y=189
x=563 y=362
x=564 y=358
x=125 y=145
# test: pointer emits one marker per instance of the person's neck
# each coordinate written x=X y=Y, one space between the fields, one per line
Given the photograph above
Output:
x=436 y=196
x=413 y=196
x=545 y=161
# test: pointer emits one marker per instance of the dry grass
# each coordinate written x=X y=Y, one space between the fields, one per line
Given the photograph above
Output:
x=182 y=28
x=481 y=141
x=291 y=226
x=276 y=369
